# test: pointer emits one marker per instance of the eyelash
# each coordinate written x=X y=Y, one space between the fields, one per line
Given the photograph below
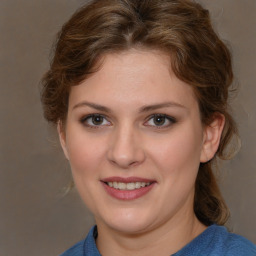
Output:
x=85 y=119
x=169 y=119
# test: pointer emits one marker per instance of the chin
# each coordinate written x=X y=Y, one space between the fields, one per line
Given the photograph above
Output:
x=129 y=222
x=131 y=228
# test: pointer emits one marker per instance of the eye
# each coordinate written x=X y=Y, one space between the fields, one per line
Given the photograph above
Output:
x=160 y=121
x=95 y=120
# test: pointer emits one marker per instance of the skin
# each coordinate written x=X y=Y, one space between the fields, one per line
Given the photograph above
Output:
x=127 y=143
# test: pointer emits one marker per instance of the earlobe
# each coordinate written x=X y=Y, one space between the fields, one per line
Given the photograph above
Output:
x=212 y=136
x=62 y=138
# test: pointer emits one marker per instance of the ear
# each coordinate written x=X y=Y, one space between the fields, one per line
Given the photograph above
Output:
x=212 y=135
x=62 y=138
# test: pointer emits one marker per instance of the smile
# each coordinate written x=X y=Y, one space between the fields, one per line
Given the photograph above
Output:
x=128 y=186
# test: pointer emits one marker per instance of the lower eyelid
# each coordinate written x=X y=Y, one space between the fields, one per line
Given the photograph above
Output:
x=169 y=118
x=84 y=121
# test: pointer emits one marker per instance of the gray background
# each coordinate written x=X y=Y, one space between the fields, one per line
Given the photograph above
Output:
x=36 y=217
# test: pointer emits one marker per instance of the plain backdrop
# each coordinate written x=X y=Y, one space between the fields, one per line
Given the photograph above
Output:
x=36 y=217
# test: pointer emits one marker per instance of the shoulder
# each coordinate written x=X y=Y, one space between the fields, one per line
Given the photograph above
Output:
x=86 y=247
x=216 y=241
x=238 y=245
x=76 y=250
x=229 y=244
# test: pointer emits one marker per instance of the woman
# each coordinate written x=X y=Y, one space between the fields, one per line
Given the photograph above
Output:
x=138 y=91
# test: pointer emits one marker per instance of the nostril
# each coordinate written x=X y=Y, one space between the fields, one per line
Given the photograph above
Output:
x=125 y=151
x=124 y=164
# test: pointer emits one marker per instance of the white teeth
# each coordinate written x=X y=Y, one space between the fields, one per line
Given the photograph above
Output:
x=137 y=184
x=115 y=184
x=128 y=186
x=121 y=186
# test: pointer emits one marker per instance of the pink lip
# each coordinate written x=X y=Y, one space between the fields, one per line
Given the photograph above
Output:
x=127 y=194
x=126 y=180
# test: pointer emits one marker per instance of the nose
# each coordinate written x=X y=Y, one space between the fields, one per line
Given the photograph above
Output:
x=125 y=148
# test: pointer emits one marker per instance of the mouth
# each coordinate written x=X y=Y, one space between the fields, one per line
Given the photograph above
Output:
x=127 y=188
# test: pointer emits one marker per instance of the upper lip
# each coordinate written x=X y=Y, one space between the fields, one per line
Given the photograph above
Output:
x=126 y=179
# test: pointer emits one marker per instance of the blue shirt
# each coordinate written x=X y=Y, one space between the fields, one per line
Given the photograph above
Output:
x=214 y=241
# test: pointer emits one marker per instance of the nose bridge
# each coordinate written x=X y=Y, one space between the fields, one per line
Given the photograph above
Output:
x=125 y=149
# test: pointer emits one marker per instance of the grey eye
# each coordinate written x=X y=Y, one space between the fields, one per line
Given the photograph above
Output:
x=159 y=120
x=95 y=120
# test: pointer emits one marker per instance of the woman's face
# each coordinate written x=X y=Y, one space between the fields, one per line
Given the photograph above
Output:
x=134 y=140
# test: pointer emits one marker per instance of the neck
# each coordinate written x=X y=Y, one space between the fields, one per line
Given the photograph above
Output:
x=163 y=240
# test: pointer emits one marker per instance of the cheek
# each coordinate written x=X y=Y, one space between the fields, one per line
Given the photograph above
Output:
x=178 y=152
x=85 y=158
x=85 y=153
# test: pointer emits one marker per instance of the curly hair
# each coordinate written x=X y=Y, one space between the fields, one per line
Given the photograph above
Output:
x=180 y=28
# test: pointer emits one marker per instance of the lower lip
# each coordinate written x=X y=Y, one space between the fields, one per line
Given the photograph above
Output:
x=127 y=194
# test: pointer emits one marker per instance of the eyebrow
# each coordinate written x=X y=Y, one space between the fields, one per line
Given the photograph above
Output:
x=161 y=105
x=145 y=108
x=92 y=105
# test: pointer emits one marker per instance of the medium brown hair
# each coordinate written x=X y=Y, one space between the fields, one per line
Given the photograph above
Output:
x=180 y=28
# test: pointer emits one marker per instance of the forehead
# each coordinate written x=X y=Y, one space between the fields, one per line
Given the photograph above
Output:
x=134 y=77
